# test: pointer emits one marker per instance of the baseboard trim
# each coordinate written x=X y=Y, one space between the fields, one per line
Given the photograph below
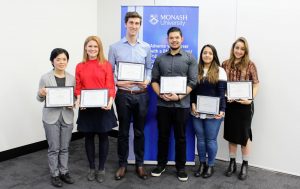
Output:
x=34 y=147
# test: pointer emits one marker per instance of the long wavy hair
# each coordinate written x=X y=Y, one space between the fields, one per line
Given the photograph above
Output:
x=100 y=57
x=213 y=71
x=243 y=64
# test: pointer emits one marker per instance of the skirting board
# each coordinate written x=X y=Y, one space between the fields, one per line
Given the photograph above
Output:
x=30 y=148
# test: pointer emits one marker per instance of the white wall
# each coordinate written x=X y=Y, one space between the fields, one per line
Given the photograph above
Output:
x=273 y=34
x=29 y=31
x=272 y=30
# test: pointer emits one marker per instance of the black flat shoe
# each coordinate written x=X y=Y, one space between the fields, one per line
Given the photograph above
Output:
x=67 y=178
x=55 y=181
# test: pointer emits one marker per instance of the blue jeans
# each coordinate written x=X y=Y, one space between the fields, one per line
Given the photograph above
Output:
x=206 y=132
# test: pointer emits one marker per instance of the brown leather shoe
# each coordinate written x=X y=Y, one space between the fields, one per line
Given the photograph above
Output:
x=141 y=172
x=120 y=173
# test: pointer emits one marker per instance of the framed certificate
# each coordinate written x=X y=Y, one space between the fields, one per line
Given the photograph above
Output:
x=208 y=104
x=93 y=98
x=59 y=97
x=239 y=90
x=175 y=84
x=129 y=71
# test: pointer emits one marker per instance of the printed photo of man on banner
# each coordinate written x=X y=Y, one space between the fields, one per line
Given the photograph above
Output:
x=155 y=24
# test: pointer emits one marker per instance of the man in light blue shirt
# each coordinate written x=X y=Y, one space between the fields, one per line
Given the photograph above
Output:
x=132 y=98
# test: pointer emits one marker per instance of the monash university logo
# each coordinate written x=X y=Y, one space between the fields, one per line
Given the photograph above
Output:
x=153 y=19
x=169 y=19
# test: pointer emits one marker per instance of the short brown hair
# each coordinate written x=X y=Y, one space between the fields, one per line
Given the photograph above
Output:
x=133 y=15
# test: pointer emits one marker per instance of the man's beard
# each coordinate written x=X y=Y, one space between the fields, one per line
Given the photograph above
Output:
x=174 y=49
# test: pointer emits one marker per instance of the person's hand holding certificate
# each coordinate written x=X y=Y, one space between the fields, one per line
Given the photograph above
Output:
x=129 y=71
x=239 y=90
x=92 y=98
x=176 y=85
x=59 y=97
x=208 y=104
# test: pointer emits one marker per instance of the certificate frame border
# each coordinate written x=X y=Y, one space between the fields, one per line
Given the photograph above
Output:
x=218 y=109
x=118 y=63
x=240 y=82
x=61 y=105
x=96 y=89
x=175 y=93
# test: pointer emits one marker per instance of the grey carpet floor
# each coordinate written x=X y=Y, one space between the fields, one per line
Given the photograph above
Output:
x=31 y=172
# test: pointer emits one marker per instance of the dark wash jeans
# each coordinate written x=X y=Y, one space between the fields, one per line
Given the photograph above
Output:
x=131 y=106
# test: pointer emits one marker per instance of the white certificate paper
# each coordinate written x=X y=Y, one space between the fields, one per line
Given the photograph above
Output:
x=129 y=71
x=208 y=104
x=239 y=90
x=92 y=98
x=175 y=85
x=59 y=97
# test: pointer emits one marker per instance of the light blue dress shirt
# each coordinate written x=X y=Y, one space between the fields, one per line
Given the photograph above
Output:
x=138 y=53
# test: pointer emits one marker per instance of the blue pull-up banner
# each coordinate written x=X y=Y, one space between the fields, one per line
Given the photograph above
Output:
x=155 y=24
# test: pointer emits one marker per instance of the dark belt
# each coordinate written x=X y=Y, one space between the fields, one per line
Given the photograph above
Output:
x=132 y=92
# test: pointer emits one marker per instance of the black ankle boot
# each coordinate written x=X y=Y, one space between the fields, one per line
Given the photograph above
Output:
x=200 y=170
x=244 y=171
x=208 y=172
x=231 y=168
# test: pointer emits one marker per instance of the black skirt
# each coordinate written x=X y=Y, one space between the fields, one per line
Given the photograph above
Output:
x=237 y=123
x=96 y=120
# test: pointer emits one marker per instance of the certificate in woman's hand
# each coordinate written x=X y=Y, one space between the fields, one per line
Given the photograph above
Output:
x=208 y=104
x=239 y=90
x=92 y=98
x=59 y=97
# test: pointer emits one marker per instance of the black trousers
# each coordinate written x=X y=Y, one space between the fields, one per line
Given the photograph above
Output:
x=166 y=118
x=131 y=106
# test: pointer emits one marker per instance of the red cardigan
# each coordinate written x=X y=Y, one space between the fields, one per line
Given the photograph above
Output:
x=93 y=75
